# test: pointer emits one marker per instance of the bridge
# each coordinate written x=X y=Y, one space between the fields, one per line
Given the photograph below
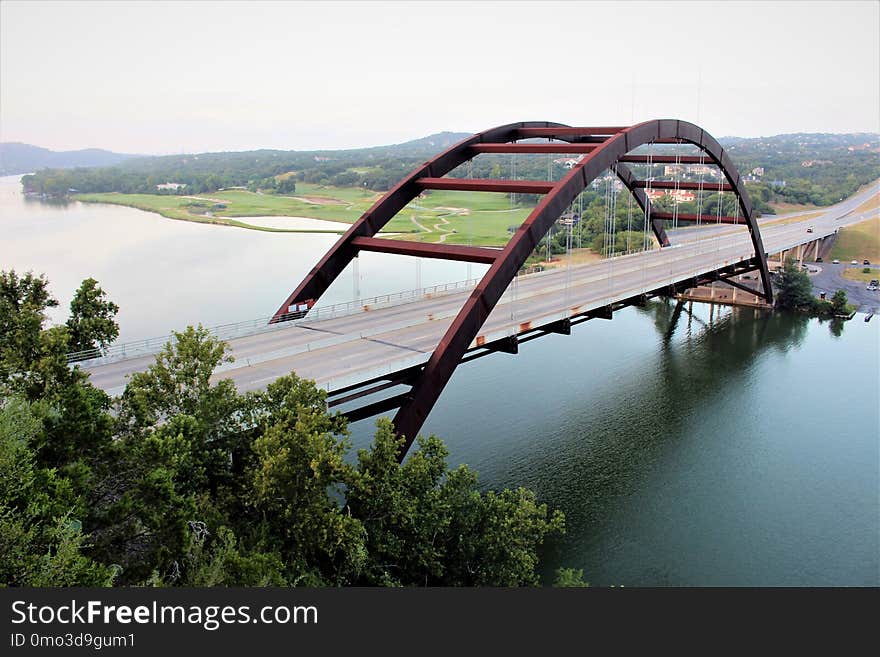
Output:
x=398 y=352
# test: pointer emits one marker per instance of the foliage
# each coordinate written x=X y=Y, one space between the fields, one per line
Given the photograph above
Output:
x=794 y=288
x=428 y=525
x=570 y=578
x=794 y=291
x=190 y=483
x=41 y=542
x=92 y=321
x=839 y=302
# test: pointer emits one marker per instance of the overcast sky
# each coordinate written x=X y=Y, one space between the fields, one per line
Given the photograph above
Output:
x=170 y=77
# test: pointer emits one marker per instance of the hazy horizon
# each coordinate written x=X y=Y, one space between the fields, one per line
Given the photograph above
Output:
x=166 y=78
x=341 y=148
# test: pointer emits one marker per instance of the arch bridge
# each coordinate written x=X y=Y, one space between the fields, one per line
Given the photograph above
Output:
x=599 y=149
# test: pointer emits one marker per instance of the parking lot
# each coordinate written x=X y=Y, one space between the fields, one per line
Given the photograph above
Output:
x=829 y=278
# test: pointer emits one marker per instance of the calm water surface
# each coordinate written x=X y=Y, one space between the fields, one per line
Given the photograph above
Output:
x=166 y=274
x=724 y=448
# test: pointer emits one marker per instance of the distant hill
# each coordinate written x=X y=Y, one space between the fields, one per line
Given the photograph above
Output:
x=269 y=170
x=427 y=146
x=16 y=157
x=817 y=169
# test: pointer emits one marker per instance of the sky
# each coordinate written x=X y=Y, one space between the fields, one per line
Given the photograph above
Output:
x=171 y=77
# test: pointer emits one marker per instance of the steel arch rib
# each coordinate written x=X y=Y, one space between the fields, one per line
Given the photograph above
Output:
x=466 y=325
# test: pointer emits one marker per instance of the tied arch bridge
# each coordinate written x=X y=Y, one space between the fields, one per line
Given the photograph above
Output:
x=599 y=149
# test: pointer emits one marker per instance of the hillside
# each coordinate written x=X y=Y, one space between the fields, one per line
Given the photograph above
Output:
x=24 y=158
x=375 y=168
x=797 y=169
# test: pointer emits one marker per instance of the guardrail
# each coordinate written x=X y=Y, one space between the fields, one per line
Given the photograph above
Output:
x=150 y=346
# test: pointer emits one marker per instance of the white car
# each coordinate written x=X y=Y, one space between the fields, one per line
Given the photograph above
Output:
x=854 y=262
x=835 y=262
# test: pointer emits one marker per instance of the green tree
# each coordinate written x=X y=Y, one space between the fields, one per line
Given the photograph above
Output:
x=794 y=288
x=839 y=303
x=191 y=483
x=570 y=578
x=24 y=301
x=92 y=321
x=41 y=539
x=427 y=525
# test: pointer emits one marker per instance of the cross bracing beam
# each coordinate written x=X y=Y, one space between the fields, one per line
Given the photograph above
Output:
x=551 y=147
x=476 y=254
x=487 y=185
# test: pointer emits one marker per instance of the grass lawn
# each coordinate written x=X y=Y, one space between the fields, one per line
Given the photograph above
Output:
x=870 y=204
x=785 y=208
x=791 y=220
x=441 y=216
x=858 y=242
x=856 y=274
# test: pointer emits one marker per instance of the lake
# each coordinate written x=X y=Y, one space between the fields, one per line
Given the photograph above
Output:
x=719 y=447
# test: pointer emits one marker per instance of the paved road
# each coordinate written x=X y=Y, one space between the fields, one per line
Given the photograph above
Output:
x=829 y=278
x=342 y=351
x=693 y=232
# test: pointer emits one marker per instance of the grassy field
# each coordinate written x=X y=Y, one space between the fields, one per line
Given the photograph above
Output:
x=791 y=220
x=870 y=204
x=856 y=274
x=785 y=208
x=858 y=242
x=453 y=217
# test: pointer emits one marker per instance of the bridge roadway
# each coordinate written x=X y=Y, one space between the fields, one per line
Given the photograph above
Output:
x=344 y=351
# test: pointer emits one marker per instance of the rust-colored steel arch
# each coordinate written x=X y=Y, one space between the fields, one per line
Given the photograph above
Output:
x=602 y=148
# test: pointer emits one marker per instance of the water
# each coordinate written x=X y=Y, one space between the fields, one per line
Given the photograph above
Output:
x=166 y=274
x=735 y=448
x=743 y=452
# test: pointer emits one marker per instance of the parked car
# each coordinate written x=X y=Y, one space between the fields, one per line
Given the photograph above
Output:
x=873 y=286
x=866 y=262
x=810 y=229
x=819 y=259
x=835 y=262
x=854 y=262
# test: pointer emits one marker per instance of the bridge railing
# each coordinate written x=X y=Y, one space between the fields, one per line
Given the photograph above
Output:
x=150 y=346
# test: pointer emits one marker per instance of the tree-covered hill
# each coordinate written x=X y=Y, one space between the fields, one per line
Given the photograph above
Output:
x=376 y=168
x=801 y=168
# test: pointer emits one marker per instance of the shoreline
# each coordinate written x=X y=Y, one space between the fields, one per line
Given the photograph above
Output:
x=229 y=222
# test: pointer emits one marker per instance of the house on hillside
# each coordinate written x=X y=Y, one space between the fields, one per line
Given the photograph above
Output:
x=677 y=195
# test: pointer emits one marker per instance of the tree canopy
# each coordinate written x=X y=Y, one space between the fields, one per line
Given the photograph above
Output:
x=184 y=481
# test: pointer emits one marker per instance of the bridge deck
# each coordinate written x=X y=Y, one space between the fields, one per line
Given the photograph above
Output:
x=344 y=351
